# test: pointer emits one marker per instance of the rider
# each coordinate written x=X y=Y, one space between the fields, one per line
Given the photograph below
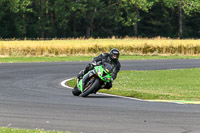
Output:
x=111 y=58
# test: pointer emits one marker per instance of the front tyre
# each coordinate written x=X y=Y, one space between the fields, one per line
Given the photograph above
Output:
x=95 y=85
x=76 y=91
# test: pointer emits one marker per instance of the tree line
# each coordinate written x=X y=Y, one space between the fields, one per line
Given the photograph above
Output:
x=99 y=18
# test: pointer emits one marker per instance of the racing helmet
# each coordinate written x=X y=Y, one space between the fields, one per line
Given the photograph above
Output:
x=114 y=54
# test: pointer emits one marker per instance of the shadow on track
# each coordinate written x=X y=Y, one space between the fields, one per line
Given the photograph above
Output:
x=99 y=96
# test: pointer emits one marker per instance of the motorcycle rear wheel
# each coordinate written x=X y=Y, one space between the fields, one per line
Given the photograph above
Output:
x=76 y=91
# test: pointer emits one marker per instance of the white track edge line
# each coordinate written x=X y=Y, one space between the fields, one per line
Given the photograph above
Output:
x=64 y=85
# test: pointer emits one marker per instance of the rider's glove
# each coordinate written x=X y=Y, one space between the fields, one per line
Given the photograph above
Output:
x=94 y=63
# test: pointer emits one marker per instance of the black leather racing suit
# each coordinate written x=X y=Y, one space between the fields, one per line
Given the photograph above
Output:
x=105 y=57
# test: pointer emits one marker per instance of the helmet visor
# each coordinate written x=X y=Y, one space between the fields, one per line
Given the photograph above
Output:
x=115 y=57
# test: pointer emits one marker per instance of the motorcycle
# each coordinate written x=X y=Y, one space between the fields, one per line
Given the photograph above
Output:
x=94 y=80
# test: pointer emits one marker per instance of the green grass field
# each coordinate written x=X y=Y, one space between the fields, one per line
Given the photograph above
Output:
x=14 y=130
x=181 y=84
x=88 y=58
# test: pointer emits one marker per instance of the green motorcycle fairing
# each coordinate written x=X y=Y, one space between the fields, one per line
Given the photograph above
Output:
x=103 y=73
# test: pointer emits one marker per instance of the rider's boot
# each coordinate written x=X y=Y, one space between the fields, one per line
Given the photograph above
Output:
x=96 y=90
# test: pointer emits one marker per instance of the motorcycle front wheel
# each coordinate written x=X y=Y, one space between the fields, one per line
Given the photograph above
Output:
x=91 y=88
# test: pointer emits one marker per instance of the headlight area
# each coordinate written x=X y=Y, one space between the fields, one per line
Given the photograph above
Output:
x=105 y=78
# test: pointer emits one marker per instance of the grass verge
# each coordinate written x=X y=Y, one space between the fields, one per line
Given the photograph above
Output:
x=172 y=85
x=44 y=59
x=14 y=130
x=88 y=58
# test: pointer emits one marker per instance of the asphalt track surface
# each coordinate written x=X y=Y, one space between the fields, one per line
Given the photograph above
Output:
x=31 y=97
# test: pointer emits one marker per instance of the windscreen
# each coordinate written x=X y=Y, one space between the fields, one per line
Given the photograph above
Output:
x=108 y=67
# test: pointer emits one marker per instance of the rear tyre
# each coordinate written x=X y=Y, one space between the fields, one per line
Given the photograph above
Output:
x=93 y=87
x=76 y=91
